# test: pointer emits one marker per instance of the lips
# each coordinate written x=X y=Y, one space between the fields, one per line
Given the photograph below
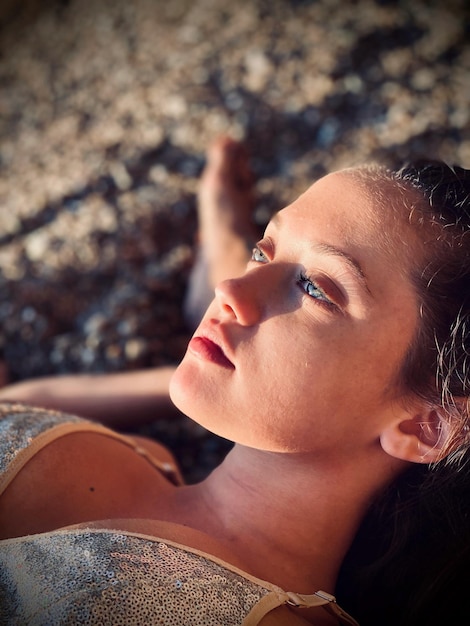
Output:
x=206 y=349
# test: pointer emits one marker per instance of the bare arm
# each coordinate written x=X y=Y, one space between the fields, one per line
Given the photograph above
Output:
x=118 y=400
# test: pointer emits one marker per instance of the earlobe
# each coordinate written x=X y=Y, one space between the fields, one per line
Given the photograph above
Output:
x=420 y=438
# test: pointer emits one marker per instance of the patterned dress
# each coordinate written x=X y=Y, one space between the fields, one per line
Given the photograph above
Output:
x=90 y=576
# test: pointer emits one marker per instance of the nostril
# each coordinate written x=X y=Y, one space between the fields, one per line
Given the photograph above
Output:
x=228 y=308
x=223 y=294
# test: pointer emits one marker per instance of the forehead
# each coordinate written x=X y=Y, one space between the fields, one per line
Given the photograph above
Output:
x=364 y=212
x=367 y=226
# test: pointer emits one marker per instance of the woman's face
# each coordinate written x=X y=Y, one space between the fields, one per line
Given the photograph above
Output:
x=302 y=353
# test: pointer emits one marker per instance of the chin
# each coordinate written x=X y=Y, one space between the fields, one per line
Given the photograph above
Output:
x=179 y=392
x=193 y=395
x=187 y=392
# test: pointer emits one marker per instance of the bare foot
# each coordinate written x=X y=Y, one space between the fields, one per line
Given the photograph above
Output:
x=226 y=229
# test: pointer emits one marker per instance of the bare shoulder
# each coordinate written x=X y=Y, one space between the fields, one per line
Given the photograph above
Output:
x=81 y=477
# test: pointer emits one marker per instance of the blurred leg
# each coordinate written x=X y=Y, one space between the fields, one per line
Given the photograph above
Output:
x=226 y=229
x=226 y=236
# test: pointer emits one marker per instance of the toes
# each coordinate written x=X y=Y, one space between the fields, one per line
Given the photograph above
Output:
x=228 y=159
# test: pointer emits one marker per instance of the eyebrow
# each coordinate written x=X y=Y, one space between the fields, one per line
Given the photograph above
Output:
x=331 y=250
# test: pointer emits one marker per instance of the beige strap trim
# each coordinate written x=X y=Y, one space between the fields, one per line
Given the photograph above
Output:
x=329 y=604
x=61 y=430
x=344 y=617
x=263 y=607
x=319 y=598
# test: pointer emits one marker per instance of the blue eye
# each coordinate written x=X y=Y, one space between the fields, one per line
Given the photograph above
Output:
x=306 y=284
x=258 y=255
x=313 y=290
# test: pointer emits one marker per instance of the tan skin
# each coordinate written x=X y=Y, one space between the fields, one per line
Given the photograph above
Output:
x=287 y=501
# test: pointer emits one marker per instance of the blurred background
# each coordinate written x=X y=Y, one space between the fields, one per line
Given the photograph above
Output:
x=106 y=109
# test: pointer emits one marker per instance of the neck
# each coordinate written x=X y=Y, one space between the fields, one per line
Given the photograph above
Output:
x=290 y=519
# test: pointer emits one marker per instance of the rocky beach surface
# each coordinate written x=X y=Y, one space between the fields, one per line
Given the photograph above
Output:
x=106 y=110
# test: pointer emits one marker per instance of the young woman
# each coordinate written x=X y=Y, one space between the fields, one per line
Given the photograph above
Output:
x=336 y=363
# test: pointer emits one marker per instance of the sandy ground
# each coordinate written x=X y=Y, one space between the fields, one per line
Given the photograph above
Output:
x=106 y=109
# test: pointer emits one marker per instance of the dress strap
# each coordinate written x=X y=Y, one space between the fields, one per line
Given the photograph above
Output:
x=40 y=427
x=330 y=605
x=276 y=599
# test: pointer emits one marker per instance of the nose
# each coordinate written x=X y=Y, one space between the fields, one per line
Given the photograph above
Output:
x=241 y=298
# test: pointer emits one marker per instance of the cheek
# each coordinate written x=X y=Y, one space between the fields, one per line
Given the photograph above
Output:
x=375 y=366
x=206 y=393
x=329 y=368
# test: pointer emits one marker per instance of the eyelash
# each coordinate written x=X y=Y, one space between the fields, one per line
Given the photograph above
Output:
x=322 y=297
x=303 y=281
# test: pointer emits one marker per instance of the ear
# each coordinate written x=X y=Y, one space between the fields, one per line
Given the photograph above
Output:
x=419 y=437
